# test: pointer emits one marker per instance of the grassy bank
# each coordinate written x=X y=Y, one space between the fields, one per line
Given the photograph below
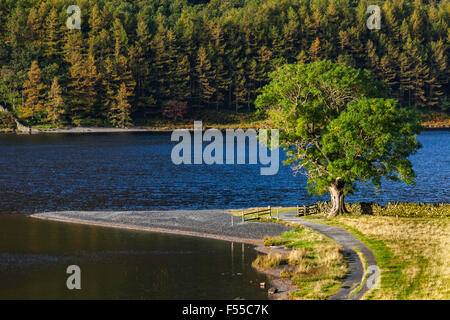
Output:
x=410 y=241
x=412 y=253
x=315 y=264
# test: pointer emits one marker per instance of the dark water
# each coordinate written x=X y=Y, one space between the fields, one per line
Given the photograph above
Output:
x=118 y=264
x=134 y=171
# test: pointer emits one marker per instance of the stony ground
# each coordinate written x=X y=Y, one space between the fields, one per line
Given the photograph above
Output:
x=215 y=222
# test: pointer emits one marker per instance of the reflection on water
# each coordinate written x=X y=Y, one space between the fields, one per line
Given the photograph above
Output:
x=120 y=264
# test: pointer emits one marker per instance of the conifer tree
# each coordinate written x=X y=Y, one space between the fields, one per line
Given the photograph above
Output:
x=84 y=79
x=439 y=71
x=182 y=90
x=52 y=38
x=140 y=62
x=154 y=50
x=119 y=115
x=315 y=50
x=55 y=104
x=33 y=93
x=35 y=29
x=205 y=76
x=373 y=61
x=116 y=73
x=290 y=34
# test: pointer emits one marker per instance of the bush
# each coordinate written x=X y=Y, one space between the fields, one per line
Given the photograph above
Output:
x=405 y=209
x=89 y=122
x=7 y=122
x=394 y=209
x=323 y=206
x=363 y=208
x=400 y=209
x=174 y=110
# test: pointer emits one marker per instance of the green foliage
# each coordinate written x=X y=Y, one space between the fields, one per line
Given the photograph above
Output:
x=402 y=209
x=394 y=209
x=7 y=122
x=372 y=139
x=120 y=111
x=338 y=127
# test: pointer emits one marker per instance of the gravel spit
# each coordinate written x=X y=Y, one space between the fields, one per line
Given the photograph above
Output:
x=216 y=223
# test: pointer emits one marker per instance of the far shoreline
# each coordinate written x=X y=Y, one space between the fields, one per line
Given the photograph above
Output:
x=84 y=130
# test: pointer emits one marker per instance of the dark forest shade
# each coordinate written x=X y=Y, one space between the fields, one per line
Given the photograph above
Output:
x=212 y=56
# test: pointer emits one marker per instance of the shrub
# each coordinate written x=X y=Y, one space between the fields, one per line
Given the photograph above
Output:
x=394 y=209
x=400 y=209
x=174 y=110
x=7 y=122
x=405 y=209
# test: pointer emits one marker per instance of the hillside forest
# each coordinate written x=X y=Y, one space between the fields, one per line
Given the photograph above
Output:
x=135 y=61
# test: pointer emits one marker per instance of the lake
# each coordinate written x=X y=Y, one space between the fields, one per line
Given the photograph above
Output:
x=120 y=264
x=133 y=171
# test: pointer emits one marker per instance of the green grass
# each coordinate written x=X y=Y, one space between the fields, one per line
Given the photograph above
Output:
x=412 y=254
x=315 y=264
x=410 y=241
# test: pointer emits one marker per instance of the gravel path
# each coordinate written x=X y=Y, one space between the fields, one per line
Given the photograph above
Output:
x=347 y=241
x=207 y=223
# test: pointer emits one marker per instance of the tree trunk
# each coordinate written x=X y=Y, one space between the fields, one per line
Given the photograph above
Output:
x=337 y=200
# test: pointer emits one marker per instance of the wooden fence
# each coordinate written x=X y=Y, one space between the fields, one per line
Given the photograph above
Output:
x=305 y=210
x=258 y=214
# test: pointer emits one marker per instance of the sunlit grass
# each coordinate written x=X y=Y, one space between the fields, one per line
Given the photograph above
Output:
x=315 y=264
x=268 y=261
x=413 y=254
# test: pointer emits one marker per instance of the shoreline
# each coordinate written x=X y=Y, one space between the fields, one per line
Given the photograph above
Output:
x=283 y=286
x=151 y=229
x=84 y=130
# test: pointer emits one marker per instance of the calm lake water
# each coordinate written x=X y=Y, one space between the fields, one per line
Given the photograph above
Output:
x=133 y=171
x=120 y=264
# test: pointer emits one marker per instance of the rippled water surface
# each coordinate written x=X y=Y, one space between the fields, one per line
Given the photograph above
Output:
x=134 y=171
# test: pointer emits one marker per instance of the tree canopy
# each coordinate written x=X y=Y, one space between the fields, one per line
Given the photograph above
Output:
x=339 y=127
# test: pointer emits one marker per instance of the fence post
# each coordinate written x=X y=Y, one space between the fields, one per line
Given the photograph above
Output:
x=270 y=212
x=242 y=216
x=278 y=215
x=297 y=211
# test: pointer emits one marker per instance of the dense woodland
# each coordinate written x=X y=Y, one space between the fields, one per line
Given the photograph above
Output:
x=140 y=60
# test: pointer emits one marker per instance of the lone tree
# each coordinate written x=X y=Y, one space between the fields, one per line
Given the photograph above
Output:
x=339 y=127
